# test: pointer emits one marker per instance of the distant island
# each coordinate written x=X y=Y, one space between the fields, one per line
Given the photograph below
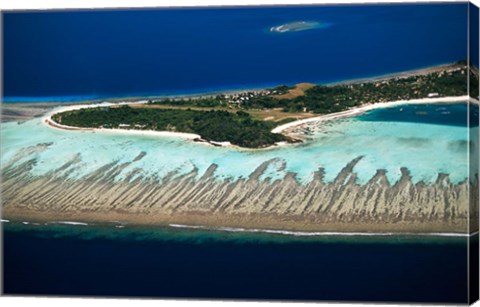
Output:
x=296 y=26
x=249 y=118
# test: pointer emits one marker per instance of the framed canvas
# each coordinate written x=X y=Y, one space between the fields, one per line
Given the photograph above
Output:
x=293 y=153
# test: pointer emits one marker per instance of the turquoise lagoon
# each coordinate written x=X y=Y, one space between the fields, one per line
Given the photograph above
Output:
x=426 y=139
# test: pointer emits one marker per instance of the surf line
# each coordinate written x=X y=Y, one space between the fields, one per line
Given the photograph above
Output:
x=319 y=234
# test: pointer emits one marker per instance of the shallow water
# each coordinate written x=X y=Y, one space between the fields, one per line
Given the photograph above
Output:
x=431 y=141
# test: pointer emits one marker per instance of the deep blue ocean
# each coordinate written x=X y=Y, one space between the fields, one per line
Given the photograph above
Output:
x=168 y=262
x=75 y=55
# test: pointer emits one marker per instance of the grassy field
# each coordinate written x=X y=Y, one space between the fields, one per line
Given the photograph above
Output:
x=276 y=115
x=298 y=91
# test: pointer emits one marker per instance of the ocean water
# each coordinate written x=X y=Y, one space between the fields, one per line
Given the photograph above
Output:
x=428 y=140
x=171 y=262
x=74 y=55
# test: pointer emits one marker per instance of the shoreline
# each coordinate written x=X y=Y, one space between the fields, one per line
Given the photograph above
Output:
x=226 y=229
x=47 y=119
x=401 y=74
x=368 y=107
x=135 y=98
x=226 y=224
x=324 y=233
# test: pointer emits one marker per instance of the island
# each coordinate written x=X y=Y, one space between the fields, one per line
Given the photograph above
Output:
x=237 y=128
x=250 y=119
x=296 y=26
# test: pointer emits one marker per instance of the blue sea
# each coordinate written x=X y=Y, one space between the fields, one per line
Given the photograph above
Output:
x=77 y=55
x=171 y=262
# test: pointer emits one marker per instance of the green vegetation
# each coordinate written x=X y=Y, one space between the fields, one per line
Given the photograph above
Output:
x=474 y=82
x=324 y=99
x=208 y=102
x=329 y=99
x=220 y=126
x=246 y=100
